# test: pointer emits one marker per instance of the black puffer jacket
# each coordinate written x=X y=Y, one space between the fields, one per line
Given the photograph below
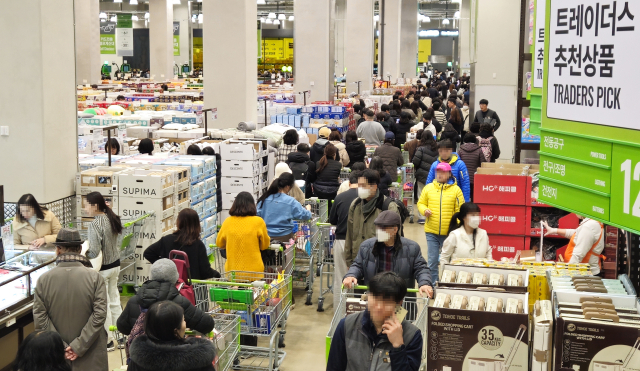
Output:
x=400 y=130
x=357 y=152
x=192 y=354
x=422 y=161
x=299 y=164
x=327 y=179
x=317 y=149
x=154 y=291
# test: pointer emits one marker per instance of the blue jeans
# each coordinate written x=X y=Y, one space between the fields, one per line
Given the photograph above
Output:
x=434 y=246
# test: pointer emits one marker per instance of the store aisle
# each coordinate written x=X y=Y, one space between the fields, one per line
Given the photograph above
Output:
x=306 y=328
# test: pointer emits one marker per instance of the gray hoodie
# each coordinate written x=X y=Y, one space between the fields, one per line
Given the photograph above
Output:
x=372 y=132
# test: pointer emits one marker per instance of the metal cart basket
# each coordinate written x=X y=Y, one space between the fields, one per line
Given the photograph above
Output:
x=327 y=237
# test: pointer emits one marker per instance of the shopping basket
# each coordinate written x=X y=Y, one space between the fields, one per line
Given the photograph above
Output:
x=327 y=237
x=416 y=313
x=225 y=337
x=263 y=304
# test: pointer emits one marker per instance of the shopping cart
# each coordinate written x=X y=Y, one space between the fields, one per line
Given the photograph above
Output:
x=225 y=337
x=345 y=173
x=327 y=237
x=416 y=311
x=319 y=208
x=130 y=232
x=306 y=238
x=408 y=182
x=396 y=190
x=263 y=301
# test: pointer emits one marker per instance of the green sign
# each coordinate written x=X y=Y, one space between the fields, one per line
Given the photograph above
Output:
x=108 y=38
x=176 y=38
x=259 y=39
x=590 y=141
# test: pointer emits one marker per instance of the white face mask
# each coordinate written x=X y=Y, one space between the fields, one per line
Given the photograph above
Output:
x=382 y=235
x=474 y=221
x=364 y=192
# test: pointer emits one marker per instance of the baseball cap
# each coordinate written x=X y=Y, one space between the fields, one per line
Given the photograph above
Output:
x=443 y=166
x=389 y=135
x=324 y=132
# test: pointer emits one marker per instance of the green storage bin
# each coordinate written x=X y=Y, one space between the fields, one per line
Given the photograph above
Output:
x=227 y=295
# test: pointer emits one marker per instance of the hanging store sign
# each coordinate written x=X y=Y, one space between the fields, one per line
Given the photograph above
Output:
x=124 y=36
x=538 y=62
x=176 y=38
x=108 y=38
x=591 y=54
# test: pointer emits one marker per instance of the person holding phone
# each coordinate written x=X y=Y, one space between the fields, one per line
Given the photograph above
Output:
x=34 y=225
x=377 y=334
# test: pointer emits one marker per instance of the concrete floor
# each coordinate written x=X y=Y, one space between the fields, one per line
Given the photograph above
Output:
x=306 y=328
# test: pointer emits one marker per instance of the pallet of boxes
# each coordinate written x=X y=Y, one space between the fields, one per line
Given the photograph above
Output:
x=245 y=167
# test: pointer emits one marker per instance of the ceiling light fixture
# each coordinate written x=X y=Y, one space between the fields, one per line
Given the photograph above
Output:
x=261 y=2
x=268 y=21
x=103 y=15
x=445 y=21
x=456 y=14
x=376 y=18
x=176 y=2
x=291 y=18
x=133 y=2
x=426 y=19
x=103 y=20
x=276 y=21
x=134 y=18
x=146 y=15
x=272 y=16
x=114 y=19
x=200 y=18
x=281 y=17
x=117 y=1
x=263 y=19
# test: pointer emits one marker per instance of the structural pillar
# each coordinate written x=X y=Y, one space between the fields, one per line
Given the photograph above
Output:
x=314 y=49
x=161 y=39
x=464 y=28
x=182 y=15
x=39 y=155
x=359 y=45
x=400 y=43
x=340 y=32
x=87 y=32
x=230 y=62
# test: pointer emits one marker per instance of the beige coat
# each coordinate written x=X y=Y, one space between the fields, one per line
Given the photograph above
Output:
x=24 y=233
x=71 y=300
x=342 y=151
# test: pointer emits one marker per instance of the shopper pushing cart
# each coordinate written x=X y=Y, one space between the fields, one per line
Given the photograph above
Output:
x=380 y=335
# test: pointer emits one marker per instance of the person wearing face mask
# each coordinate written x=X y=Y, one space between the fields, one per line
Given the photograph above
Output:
x=389 y=252
x=438 y=202
x=465 y=239
x=363 y=213
x=586 y=244
x=34 y=225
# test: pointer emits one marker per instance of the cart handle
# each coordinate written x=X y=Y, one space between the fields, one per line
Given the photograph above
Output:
x=145 y=216
x=209 y=335
x=225 y=283
x=362 y=287
x=323 y=224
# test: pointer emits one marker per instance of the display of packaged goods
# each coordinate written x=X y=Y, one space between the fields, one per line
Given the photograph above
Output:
x=472 y=276
x=142 y=183
x=542 y=337
x=468 y=328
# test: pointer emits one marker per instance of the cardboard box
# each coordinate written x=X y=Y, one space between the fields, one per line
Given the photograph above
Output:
x=503 y=165
x=237 y=185
x=501 y=171
x=240 y=151
x=81 y=204
x=228 y=198
x=245 y=169
x=500 y=189
x=145 y=183
x=506 y=246
x=133 y=207
x=503 y=219
x=461 y=339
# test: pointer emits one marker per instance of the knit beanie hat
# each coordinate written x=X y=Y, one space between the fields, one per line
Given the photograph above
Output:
x=282 y=168
x=164 y=270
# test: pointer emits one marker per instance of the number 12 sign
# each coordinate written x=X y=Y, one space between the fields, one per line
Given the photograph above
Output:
x=625 y=186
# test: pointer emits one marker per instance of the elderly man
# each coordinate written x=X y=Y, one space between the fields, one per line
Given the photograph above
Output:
x=388 y=251
x=71 y=299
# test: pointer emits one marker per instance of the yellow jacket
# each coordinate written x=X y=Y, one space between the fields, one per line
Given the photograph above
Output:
x=443 y=200
x=243 y=237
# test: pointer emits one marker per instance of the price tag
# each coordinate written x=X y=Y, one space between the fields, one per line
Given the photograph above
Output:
x=214 y=113
x=136 y=103
x=156 y=94
x=144 y=101
x=144 y=86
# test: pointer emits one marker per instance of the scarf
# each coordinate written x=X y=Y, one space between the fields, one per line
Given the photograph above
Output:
x=369 y=206
x=73 y=258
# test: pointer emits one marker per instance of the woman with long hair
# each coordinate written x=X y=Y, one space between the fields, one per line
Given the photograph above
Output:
x=356 y=150
x=466 y=239
x=163 y=347
x=415 y=107
x=385 y=178
x=426 y=155
x=105 y=236
x=42 y=351
x=186 y=238
x=34 y=225
x=243 y=235
x=324 y=176
x=335 y=138
x=279 y=210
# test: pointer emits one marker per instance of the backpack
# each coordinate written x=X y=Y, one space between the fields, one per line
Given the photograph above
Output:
x=183 y=285
x=137 y=330
x=487 y=149
x=402 y=209
x=299 y=170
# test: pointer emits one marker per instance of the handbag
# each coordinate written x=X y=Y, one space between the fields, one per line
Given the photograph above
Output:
x=184 y=285
x=95 y=262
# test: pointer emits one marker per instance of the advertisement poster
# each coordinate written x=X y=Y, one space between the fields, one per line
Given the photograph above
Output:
x=176 y=38
x=124 y=36
x=538 y=62
x=108 y=38
x=590 y=59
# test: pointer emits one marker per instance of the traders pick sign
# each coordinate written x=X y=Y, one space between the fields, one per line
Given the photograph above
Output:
x=592 y=55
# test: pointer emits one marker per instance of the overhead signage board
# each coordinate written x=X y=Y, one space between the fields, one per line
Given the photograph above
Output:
x=590 y=141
